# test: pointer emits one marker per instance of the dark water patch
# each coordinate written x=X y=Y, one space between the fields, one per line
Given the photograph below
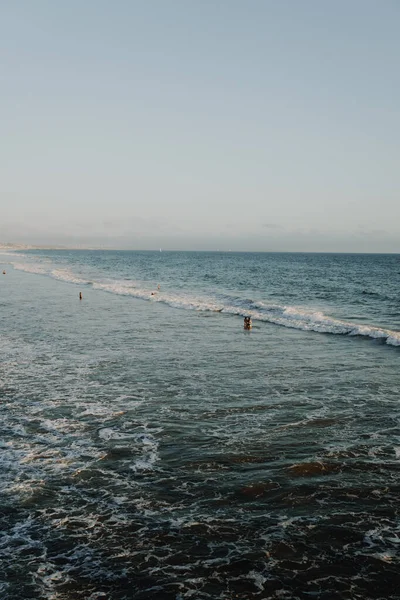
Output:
x=257 y=490
x=324 y=422
x=318 y=468
x=312 y=469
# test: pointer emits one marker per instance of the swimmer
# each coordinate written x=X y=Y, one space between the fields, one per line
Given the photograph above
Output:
x=158 y=287
x=4 y=272
x=247 y=323
x=80 y=296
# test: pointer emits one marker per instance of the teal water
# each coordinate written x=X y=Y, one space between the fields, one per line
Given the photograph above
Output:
x=152 y=448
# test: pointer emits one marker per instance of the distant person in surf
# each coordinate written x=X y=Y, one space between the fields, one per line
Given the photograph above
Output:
x=80 y=296
x=158 y=287
x=4 y=272
x=247 y=323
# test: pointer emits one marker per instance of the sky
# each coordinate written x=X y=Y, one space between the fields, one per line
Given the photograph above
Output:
x=201 y=124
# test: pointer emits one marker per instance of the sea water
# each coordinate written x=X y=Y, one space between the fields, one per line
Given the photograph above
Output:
x=150 y=447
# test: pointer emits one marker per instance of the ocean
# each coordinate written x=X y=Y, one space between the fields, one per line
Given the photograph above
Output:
x=151 y=448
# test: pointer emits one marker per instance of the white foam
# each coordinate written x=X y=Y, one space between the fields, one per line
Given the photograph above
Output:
x=9 y=253
x=44 y=269
x=299 y=318
x=106 y=433
x=67 y=276
x=30 y=268
x=150 y=453
x=257 y=578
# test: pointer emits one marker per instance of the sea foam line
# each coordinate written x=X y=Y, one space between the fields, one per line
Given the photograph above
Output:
x=286 y=316
x=59 y=274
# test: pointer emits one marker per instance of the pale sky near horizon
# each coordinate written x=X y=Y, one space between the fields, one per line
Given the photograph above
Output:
x=243 y=125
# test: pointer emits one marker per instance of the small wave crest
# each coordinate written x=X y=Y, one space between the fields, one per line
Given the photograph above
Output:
x=300 y=318
x=30 y=268
x=60 y=274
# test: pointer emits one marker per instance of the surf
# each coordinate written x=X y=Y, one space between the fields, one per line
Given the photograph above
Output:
x=292 y=316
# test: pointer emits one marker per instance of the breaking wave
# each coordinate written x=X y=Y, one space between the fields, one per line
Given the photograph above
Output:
x=60 y=274
x=287 y=316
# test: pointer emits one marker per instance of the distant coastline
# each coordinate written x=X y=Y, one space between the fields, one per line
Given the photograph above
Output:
x=13 y=246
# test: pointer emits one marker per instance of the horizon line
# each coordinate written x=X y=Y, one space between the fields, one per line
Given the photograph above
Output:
x=19 y=247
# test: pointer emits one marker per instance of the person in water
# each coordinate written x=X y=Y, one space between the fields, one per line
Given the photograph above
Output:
x=80 y=296
x=247 y=323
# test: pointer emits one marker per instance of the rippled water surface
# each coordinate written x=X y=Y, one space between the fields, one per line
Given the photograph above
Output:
x=152 y=448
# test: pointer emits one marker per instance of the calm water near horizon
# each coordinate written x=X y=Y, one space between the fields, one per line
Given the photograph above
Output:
x=152 y=448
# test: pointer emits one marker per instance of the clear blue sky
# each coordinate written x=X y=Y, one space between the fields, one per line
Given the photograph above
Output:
x=267 y=125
